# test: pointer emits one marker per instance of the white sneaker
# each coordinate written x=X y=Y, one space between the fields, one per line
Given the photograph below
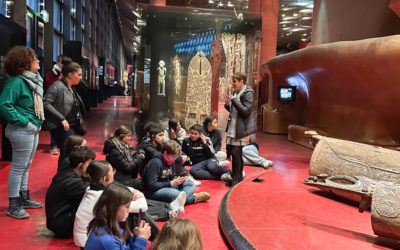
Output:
x=267 y=164
x=195 y=182
x=224 y=163
x=176 y=205
x=226 y=177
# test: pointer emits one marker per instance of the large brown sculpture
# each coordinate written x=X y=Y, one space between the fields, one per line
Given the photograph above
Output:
x=382 y=197
x=348 y=90
x=339 y=157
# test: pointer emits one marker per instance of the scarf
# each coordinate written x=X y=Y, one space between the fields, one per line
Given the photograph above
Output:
x=35 y=83
x=123 y=148
x=234 y=114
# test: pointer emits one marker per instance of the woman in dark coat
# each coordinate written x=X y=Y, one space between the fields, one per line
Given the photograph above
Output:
x=116 y=148
x=242 y=123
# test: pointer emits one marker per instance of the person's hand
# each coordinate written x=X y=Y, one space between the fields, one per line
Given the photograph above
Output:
x=203 y=138
x=173 y=134
x=137 y=196
x=143 y=230
x=29 y=123
x=142 y=155
x=228 y=100
x=178 y=181
x=184 y=158
x=65 y=124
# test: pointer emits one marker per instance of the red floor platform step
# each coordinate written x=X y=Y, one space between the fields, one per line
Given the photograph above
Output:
x=283 y=213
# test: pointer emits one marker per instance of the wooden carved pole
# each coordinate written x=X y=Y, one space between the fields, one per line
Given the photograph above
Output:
x=216 y=66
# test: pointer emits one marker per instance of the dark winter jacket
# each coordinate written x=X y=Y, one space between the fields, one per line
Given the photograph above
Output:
x=246 y=123
x=215 y=137
x=196 y=150
x=126 y=170
x=157 y=175
x=62 y=200
x=150 y=151
x=58 y=103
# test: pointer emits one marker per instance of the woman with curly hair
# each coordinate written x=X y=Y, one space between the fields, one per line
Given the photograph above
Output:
x=22 y=106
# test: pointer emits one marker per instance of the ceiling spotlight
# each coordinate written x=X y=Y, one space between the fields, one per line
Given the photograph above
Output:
x=137 y=14
x=306 y=18
x=211 y=1
x=220 y=4
x=306 y=11
x=230 y=4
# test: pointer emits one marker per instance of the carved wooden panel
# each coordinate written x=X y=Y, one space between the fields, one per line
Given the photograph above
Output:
x=198 y=92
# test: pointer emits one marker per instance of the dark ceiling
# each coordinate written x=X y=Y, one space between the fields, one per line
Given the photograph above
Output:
x=295 y=18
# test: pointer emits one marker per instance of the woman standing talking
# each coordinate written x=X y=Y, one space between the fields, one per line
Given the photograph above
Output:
x=242 y=123
x=22 y=106
x=64 y=106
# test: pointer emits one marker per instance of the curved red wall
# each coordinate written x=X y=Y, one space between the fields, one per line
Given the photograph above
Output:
x=348 y=90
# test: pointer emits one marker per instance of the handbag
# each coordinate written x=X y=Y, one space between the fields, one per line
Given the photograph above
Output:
x=79 y=126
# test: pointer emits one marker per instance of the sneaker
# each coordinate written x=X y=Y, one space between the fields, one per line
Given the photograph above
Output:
x=224 y=163
x=267 y=164
x=54 y=151
x=195 y=182
x=177 y=206
x=179 y=201
x=226 y=177
x=243 y=174
x=201 y=197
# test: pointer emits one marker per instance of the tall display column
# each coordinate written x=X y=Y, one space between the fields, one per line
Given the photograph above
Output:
x=269 y=10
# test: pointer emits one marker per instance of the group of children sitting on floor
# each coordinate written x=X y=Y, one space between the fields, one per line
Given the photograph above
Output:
x=85 y=202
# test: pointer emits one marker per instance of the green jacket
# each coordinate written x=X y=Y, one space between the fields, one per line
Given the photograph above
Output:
x=16 y=103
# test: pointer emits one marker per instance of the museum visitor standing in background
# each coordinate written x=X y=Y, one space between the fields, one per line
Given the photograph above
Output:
x=242 y=123
x=21 y=104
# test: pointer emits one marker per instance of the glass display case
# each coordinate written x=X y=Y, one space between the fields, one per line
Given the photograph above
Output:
x=189 y=57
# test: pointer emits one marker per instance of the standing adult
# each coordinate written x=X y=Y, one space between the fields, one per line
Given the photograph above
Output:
x=64 y=107
x=22 y=106
x=51 y=77
x=242 y=123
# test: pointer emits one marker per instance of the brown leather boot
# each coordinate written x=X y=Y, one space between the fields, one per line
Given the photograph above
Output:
x=201 y=197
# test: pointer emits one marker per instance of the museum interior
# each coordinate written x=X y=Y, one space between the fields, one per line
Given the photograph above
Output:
x=326 y=90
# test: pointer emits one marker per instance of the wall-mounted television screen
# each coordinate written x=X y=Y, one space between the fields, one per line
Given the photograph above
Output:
x=287 y=93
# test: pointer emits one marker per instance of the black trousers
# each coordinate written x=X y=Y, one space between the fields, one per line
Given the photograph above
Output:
x=237 y=163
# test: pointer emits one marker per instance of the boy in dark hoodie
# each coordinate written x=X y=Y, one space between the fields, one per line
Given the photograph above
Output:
x=200 y=150
x=66 y=191
x=152 y=146
x=161 y=182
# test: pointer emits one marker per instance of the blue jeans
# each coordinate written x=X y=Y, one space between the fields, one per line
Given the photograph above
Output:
x=251 y=157
x=170 y=194
x=60 y=135
x=24 y=141
x=208 y=170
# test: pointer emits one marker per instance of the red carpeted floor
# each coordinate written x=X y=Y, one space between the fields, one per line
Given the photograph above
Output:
x=279 y=213
x=32 y=233
x=283 y=213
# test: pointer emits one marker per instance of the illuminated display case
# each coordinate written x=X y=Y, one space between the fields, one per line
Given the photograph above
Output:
x=189 y=56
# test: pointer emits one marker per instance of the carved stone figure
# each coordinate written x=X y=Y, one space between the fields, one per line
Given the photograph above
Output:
x=382 y=197
x=176 y=66
x=198 y=91
x=162 y=72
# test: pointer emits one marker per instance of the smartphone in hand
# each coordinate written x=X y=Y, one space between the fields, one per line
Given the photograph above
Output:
x=140 y=216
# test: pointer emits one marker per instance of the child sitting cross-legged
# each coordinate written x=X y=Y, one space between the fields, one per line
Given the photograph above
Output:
x=200 y=150
x=161 y=182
